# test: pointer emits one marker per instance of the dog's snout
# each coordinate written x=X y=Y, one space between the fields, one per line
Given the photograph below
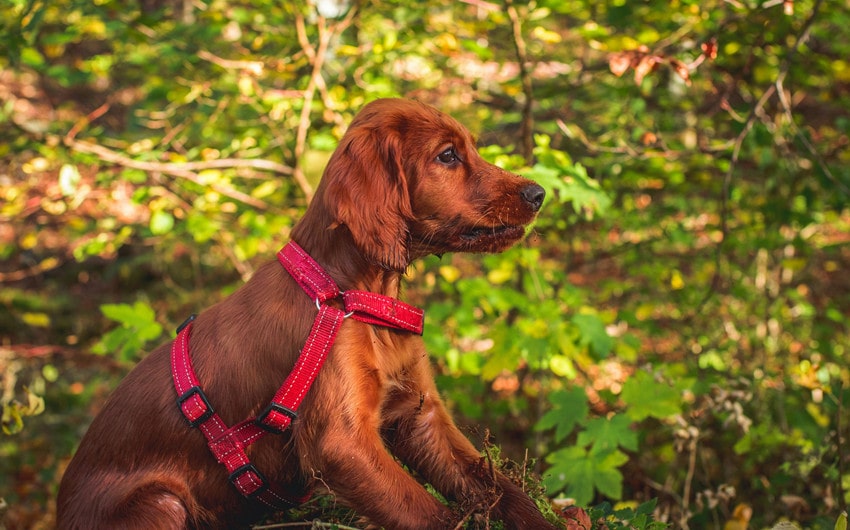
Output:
x=533 y=195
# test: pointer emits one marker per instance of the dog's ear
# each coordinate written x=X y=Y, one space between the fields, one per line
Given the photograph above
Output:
x=368 y=193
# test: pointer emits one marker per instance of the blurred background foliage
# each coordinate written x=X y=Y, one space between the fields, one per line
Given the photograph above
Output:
x=674 y=328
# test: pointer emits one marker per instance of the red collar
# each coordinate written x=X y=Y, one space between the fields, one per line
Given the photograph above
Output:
x=228 y=443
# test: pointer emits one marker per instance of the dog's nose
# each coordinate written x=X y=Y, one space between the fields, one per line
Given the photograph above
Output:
x=533 y=195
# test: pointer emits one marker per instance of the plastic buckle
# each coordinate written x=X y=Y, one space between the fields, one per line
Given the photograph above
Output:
x=195 y=391
x=186 y=322
x=249 y=468
x=276 y=407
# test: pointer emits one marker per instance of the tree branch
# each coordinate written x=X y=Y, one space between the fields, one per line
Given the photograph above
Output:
x=186 y=170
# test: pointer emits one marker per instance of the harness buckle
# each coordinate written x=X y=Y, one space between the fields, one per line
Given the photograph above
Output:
x=258 y=478
x=189 y=394
x=186 y=323
x=263 y=420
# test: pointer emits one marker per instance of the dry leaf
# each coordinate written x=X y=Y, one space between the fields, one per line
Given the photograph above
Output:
x=709 y=49
x=576 y=518
x=645 y=65
x=619 y=63
x=788 y=7
x=682 y=70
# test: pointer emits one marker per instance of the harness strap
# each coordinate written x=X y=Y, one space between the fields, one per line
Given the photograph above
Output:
x=228 y=444
x=284 y=406
x=364 y=306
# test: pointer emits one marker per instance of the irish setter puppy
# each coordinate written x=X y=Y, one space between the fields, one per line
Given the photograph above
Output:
x=406 y=181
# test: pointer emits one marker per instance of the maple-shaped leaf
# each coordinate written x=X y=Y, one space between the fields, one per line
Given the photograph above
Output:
x=609 y=433
x=608 y=479
x=569 y=408
x=579 y=472
x=571 y=470
x=647 y=397
x=593 y=333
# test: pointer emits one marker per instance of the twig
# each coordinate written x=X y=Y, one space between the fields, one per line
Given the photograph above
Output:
x=253 y=67
x=90 y=117
x=482 y=4
x=316 y=56
x=689 y=478
x=527 y=122
x=842 y=503
x=43 y=266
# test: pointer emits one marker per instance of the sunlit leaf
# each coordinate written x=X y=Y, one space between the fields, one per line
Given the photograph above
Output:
x=161 y=222
x=569 y=409
x=69 y=179
x=606 y=433
x=647 y=397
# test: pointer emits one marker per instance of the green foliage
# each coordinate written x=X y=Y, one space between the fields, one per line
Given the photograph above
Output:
x=647 y=397
x=592 y=459
x=569 y=409
x=138 y=328
x=681 y=301
x=637 y=518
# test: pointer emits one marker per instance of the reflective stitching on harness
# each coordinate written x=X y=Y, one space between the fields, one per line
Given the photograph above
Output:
x=228 y=444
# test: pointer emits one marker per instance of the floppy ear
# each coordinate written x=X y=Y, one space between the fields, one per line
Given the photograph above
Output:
x=368 y=194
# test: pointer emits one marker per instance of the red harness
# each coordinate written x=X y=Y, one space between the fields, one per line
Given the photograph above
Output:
x=228 y=444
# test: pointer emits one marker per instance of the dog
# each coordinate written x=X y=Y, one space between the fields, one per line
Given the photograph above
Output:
x=406 y=181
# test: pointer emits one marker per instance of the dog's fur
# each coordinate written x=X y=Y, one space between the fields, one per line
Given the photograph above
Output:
x=405 y=182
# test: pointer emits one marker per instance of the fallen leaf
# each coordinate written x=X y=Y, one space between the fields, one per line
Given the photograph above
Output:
x=576 y=518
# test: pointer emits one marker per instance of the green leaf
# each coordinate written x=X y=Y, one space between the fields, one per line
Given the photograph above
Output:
x=138 y=327
x=841 y=522
x=573 y=470
x=161 y=222
x=123 y=313
x=578 y=472
x=607 y=478
x=647 y=397
x=647 y=508
x=593 y=333
x=609 y=433
x=569 y=408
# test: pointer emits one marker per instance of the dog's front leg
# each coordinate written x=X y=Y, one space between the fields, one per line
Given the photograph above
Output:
x=356 y=468
x=419 y=431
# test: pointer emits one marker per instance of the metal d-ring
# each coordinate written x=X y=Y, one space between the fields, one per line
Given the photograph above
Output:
x=319 y=307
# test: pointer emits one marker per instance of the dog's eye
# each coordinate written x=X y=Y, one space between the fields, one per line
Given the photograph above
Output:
x=448 y=157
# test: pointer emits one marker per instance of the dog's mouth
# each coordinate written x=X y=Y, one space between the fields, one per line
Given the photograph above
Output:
x=489 y=238
x=509 y=232
x=462 y=237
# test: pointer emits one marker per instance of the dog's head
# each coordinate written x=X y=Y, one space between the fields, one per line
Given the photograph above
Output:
x=407 y=181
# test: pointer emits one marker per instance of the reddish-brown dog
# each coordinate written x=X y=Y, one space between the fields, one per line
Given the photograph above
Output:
x=405 y=182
